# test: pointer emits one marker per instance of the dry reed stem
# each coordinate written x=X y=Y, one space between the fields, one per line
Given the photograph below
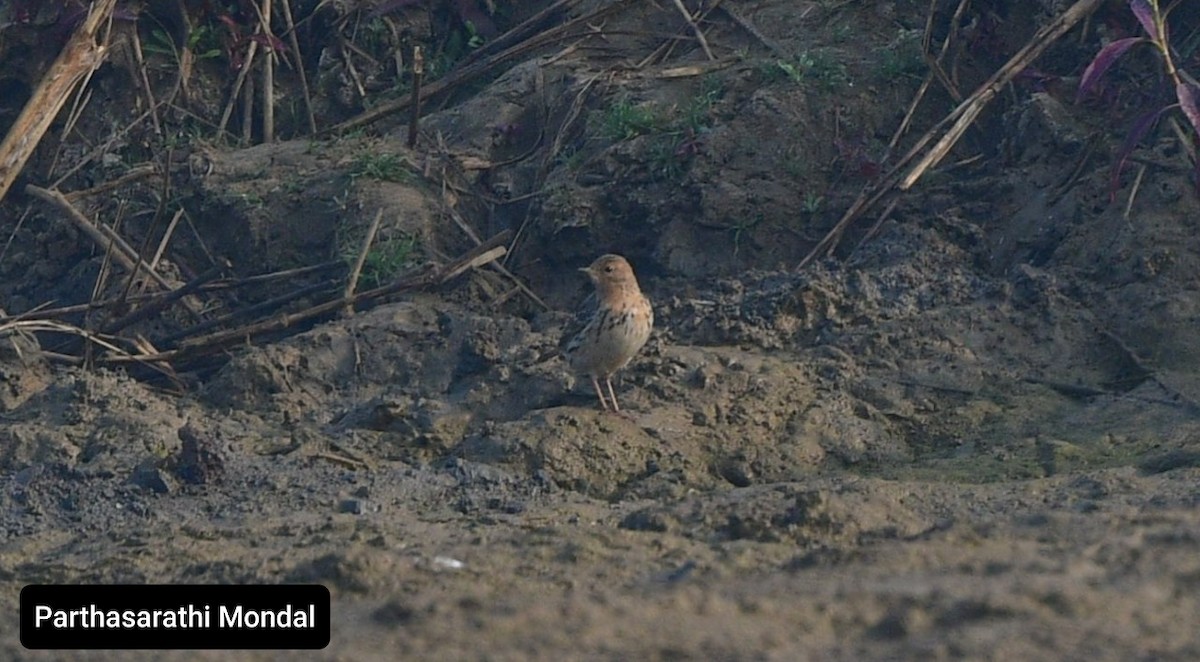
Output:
x=78 y=59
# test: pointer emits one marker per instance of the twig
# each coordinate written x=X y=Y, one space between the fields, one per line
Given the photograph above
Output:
x=160 y=303
x=101 y=150
x=352 y=281
x=462 y=225
x=41 y=312
x=424 y=276
x=872 y=192
x=101 y=235
x=878 y=223
x=1137 y=185
x=136 y=173
x=248 y=111
x=573 y=113
x=268 y=81
x=970 y=109
x=166 y=238
x=291 y=28
x=140 y=68
x=237 y=88
x=687 y=16
x=249 y=311
x=749 y=27
x=926 y=40
x=414 y=115
x=78 y=59
x=469 y=72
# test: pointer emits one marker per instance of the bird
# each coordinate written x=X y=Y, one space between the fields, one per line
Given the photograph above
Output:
x=612 y=325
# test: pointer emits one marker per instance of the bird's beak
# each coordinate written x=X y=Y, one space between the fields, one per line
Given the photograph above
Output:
x=586 y=270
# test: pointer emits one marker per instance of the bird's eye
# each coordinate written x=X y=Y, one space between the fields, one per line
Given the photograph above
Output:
x=608 y=269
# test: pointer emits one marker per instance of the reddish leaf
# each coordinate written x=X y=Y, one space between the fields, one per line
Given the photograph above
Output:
x=1186 y=93
x=1141 y=126
x=1103 y=61
x=1145 y=16
x=272 y=42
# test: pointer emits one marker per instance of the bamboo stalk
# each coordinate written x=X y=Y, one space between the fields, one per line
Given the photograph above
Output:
x=78 y=59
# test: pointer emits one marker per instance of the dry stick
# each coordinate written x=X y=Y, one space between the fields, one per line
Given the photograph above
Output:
x=140 y=61
x=141 y=251
x=352 y=281
x=160 y=303
x=873 y=192
x=749 y=27
x=166 y=238
x=59 y=327
x=414 y=116
x=878 y=223
x=573 y=113
x=163 y=196
x=664 y=50
x=250 y=311
x=100 y=150
x=83 y=97
x=926 y=39
x=468 y=72
x=123 y=254
x=970 y=109
x=687 y=16
x=78 y=59
x=248 y=111
x=101 y=235
x=41 y=312
x=97 y=287
x=425 y=276
x=518 y=33
x=237 y=88
x=16 y=228
x=275 y=275
x=1137 y=185
x=466 y=228
x=268 y=81
x=347 y=48
x=291 y=27
x=134 y=174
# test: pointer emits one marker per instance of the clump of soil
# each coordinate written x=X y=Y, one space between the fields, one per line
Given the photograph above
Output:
x=970 y=432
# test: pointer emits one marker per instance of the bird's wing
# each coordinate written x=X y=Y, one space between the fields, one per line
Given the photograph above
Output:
x=587 y=311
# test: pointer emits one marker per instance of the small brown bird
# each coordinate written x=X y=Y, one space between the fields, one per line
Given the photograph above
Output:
x=611 y=326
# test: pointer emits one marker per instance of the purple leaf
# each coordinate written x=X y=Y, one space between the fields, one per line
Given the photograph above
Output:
x=1103 y=61
x=1186 y=93
x=272 y=42
x=1141 y=126
x=1145 y=16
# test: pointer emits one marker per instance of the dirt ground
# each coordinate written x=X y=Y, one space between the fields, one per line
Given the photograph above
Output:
x=972 y=432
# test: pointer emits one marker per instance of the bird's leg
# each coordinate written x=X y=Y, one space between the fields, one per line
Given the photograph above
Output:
x=599 y=392
x=608 y=380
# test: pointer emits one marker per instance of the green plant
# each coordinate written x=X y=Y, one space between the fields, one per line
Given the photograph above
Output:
x=821 y=67
x=902 y=57
x=624 y=119
x=386 y=260
x=389 y=256
x=812 y=203
x=203 y=41
x=743 y=226
x=382 y=166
